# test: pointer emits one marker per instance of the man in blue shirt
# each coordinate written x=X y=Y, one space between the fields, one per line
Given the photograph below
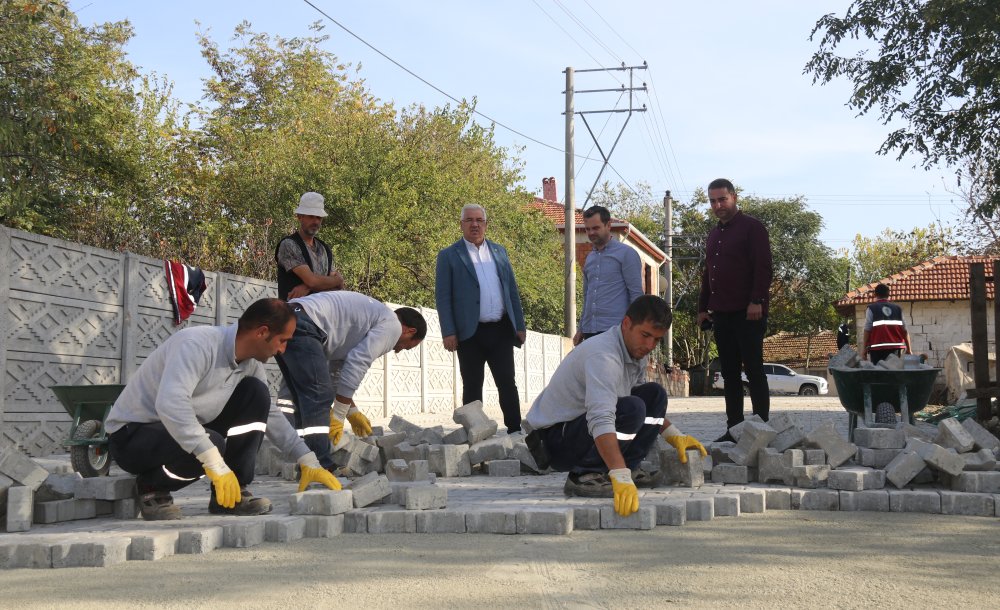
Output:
x=612 y=277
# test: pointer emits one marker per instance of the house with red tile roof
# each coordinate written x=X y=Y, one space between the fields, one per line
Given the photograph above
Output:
x=935 y=298
x=796 y=350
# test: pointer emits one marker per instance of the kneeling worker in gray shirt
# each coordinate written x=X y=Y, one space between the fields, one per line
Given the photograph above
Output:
x=596 y=421
x=199 y=405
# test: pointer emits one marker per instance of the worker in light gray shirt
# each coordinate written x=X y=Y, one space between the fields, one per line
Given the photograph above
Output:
x=199 y=405
x=338 y=335
x=612 y=277
x=596 y=420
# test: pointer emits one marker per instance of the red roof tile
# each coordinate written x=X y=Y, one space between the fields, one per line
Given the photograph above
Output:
x=790 y=349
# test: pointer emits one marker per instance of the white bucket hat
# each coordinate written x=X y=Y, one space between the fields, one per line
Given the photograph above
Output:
x=311 y=204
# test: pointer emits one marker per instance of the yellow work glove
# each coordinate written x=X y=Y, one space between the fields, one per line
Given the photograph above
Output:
x=682 y=442
x=359 y=423
x=626 y=494
x=337 y=415
x=312 y=472
x=227 y=486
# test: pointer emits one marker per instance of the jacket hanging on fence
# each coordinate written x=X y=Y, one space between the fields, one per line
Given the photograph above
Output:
x=186 y=285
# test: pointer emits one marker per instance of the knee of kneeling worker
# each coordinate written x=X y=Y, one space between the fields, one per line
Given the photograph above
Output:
x=257 y=398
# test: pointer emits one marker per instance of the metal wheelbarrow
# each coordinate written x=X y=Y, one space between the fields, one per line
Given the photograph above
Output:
x=88 y=406
x=907 y=390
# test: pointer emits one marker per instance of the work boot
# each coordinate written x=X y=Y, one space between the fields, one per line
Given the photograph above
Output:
x=588 y=485
x=158 y=506
x=248 y=505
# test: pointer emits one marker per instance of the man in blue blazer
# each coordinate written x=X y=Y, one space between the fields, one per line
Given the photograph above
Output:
x=480 y=312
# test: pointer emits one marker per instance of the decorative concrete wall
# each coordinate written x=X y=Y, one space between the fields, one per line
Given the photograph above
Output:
x=71 y=315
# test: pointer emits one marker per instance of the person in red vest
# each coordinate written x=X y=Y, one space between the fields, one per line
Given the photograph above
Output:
x=885 y=332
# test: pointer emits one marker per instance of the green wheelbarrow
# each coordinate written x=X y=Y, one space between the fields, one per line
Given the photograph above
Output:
x=907 y=390
x=88 y=406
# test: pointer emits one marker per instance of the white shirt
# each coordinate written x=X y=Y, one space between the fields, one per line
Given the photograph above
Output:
x=490 y=296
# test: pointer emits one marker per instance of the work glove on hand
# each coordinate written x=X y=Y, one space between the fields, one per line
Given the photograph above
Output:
x=227 y=487
x=626 y=494
x=682 y=442
x=359 y=423
x=337 y=415
x=312 y=472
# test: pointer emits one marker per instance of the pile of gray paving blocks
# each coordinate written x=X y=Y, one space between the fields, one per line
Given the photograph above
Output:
x=31 y=494
x=848 y=358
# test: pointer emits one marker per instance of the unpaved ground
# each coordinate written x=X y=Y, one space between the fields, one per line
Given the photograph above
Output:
x=778 y=559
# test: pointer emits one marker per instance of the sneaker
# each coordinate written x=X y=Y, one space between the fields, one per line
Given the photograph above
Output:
x=589 y=485
x=725 y=438
x=248 y=505
x=158 y=506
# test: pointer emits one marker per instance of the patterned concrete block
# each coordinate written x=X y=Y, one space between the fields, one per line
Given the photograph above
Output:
x=199 y=541
x=911 y=431
x=856 y=479
x=398 y=424
x=152 y=545
x=242 y=534
x=778 y=499
x=106 y=488
x=982 y=460
x=671 y=512
x=101 y=553
x=397 y=471
x=777 y=467
x=21 y=468
x=811 y=477
x=937 y=457
x=876 y=458
x=458 y=436
x=755 y=435
x=958 y=503
x=726 y=505
x=54 y=511
x=19 y=508
x=491 y=522
x=819 y=499
x=901 y=470
x=419 y=470
x=914 y=501
x=737 y=431
x=752 y=500
x=730 y=473
x=284 y=529
x=408 y=452
x=642 y=519
x=398 y=495
x=494 y=448
x=952 y=435
x=838 y=450
x=553 y=521
x=879 y=438
x=504 y=468
x=674 y=472
x=450 y=460
x=977 y=482
x=424 y=497
x=323 y=526
x=321 y=502
x=789 y=431
x=441 y=522
x=872 y=500
x=700 y=509
x=392 y=522
x=25 y=555
x=587 y=517
x=125 y=509
x=370 y=489
x=982 y=437
x=722 y=453
x=87 y=509
x=477 y=424
x=813 y=457
x=57 y=487
x=356 y=522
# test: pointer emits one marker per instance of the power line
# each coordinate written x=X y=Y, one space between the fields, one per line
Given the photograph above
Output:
x=589 y=32
x=658 y=114
x=571 y=37
x=601 y=133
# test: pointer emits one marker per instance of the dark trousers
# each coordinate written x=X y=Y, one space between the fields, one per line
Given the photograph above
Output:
x=638 y=419
x=741 y=346
x=492 y=344
x=585 y=336
x=878 y=355
x=160 y=464
x=307 y=377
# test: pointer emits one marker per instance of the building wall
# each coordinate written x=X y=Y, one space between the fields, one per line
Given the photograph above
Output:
x=75 y=315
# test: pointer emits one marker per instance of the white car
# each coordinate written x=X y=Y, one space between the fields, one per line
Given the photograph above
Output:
x=781 y=379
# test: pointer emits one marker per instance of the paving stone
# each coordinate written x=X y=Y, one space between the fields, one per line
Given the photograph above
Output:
x=424 y=497
x=431 y=436
x=323 y=526
x=19 y=508
x=370 y=489
x=958 y=503
x=811 y=477
x=106 y=488
x=57 y=487
x=5 y=484
x=152 y=545
x=490 y=522
x=818 y=499
x=721 y=453
x=450 y=460
x=399 y=424
x=730 y=473
x=937 y=457
x=755 y=436
x=726 y=505
x=670 y=512
x=102 y=508
x=504 y=468
x=553 y=521
x=982 y=437
x=20 y=467
x=825 y=437
x=387 y=445
x=284 y=529
x=519 y=451
x=125 y=509
x=914 y=501
x=952 y=435
x=290 y=472
x=490 y=449
x=977 y=482
x=477 y=424
x=901 y=470
x=642 y=519
x=54 y=511
x=397 y=470
x=911 y=431
x=398 y=495
x=856 y=478
x=845 y=358
x=979 y=460
x=356 y=522
x=737 y=431
x=872 y=500
x=879 y=438
x=778 y=499
x=457 y=436
x=87 y=509
x=441 y=522
x=408 y=452
x=101 y=553
x=813 y=457
x=927 y=476
x=321 y=502
x=199 y=541
x=700 y=509
x=777 y=467
x=674 y=472
x=392 y=522
x=242 y=534
x=789 y=431
x=752 y=500
x=876 y=458
x=587 y=517
x=25 y=555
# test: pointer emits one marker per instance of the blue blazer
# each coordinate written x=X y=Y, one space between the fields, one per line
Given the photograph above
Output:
x=456 y=291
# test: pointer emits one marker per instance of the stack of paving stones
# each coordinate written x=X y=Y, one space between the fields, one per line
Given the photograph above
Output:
x=847 y=358
x=411 y=479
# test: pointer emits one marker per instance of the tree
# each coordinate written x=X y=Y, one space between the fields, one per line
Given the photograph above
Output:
x=889 y=252
x=937 y=68
x=639 y=207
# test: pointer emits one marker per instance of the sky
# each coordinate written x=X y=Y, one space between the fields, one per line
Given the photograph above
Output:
x=726 y=93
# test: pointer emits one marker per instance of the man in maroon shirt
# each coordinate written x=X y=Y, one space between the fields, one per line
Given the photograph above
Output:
x=734 y=298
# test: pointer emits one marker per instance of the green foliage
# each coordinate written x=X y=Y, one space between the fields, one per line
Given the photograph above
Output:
x=936 y=68
x=889 y=252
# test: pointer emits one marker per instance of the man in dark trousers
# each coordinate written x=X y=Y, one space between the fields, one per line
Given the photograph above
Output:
x=885 y=332
x=734 y=297
x=480 y=312
x=305 y=262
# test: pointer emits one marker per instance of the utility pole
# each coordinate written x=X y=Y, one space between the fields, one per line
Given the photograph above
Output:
x=668 y=291
x=569 y=301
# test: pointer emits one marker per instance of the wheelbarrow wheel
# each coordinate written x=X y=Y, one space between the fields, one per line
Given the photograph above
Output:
x=89 y=460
